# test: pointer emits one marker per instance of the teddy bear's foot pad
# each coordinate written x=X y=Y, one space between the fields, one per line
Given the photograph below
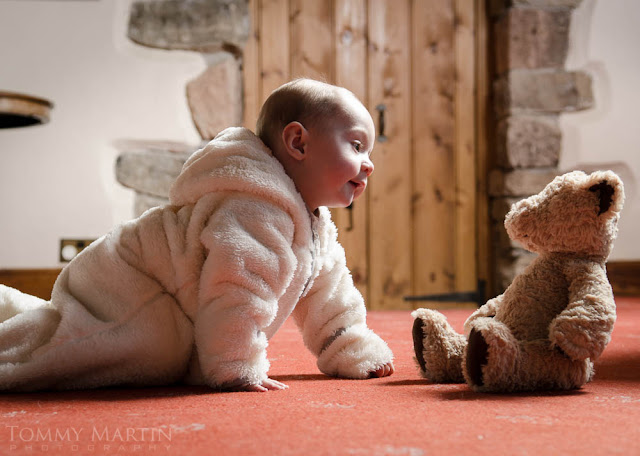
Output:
x=477 y=357
x=418 y=345
x=438 y=348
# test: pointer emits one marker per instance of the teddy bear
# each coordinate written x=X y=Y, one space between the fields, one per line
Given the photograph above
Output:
x=556 y=317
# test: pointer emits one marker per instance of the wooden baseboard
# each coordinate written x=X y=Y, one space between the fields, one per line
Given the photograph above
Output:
x=36 y=282
x=624 y=277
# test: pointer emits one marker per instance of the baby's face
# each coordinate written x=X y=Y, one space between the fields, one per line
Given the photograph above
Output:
x=339 y=157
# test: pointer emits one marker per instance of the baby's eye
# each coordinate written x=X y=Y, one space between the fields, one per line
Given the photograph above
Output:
x=357 y=145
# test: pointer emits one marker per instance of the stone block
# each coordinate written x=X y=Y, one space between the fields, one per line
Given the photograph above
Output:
x=151 y=172
x=197 y=25
x=154 y=145
x=531 y=38
x=528 y=142
x=542 y=91
x=143 y=202
x=497 y=7
x=520 y=182
x=215 y=97
x=550 y=4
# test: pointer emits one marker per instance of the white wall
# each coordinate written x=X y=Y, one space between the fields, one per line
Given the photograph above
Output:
x=606 y=42
x=57 y=180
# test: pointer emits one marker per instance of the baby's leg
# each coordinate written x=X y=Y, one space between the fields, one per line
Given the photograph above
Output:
x=13 y=302
x=438 y=348
x=151 y=343
x=26 y=323
x=152 y=347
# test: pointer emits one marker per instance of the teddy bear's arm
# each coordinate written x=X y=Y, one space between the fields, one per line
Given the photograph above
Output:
x=488 y=310
x=583 y=329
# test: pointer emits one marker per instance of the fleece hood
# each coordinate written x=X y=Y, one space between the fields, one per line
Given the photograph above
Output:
x=235 y=160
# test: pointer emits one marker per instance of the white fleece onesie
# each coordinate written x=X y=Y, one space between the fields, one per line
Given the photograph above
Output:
x=193 y=291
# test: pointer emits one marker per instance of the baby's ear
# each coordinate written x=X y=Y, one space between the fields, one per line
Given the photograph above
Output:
x=609 y=189
x=294 y=136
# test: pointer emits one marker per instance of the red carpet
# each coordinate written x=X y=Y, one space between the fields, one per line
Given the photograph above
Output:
x=398 y=415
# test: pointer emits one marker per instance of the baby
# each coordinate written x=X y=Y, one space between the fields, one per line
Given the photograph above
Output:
x=192 y=292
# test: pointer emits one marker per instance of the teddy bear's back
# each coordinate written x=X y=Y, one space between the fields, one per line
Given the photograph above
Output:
x=535 y=298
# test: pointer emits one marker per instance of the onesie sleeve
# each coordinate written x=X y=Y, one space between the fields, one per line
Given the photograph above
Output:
x=249 y=264
x=332 y=318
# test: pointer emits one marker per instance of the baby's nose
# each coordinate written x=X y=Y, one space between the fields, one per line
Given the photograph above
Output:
x=367 y=167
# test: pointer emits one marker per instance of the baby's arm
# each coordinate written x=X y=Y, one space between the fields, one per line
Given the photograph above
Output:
x=384 y=371
x=332 y=319
x=268 y=384
x=248 y=265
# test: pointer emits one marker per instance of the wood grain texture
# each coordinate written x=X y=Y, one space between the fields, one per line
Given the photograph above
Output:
x=433 y=117
x=36 y=282
x=312 y=50
x=391 y=252
x=465 y=143
x=275 y=68
x=484 y=255
x=350 y=38
x=252 y=92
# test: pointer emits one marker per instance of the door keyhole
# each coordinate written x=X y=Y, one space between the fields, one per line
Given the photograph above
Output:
x=381 y=108
x=350 y=225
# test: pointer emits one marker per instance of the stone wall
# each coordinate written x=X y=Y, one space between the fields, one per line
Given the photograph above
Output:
x=531 y=88
x=218 y=30
x=206 y=26
x=149 y=168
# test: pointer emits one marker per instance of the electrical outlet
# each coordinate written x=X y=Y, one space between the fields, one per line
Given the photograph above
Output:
x=70 y=248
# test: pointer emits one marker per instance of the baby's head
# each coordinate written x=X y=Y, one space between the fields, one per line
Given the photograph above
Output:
x=323 y=136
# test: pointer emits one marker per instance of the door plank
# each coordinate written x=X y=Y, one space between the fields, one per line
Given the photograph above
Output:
x=252 y=92
x=466 y=221
x=351 y=53
x=434 y=145
x=390 y=193
x=275 y=67
x=312 y=50
x=484 y=252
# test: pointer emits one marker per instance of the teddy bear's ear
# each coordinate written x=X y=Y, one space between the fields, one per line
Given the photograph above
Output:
x=605 y=192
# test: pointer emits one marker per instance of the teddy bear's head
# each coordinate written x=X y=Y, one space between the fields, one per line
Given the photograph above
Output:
x=576 y=213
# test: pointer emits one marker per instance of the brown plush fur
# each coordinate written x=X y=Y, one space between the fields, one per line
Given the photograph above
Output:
x=556 y=318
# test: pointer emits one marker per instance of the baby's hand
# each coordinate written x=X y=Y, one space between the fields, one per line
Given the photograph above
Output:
x=383 y=371
x=266 y=385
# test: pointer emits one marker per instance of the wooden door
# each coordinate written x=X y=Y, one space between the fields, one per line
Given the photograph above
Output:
x=413 y=64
